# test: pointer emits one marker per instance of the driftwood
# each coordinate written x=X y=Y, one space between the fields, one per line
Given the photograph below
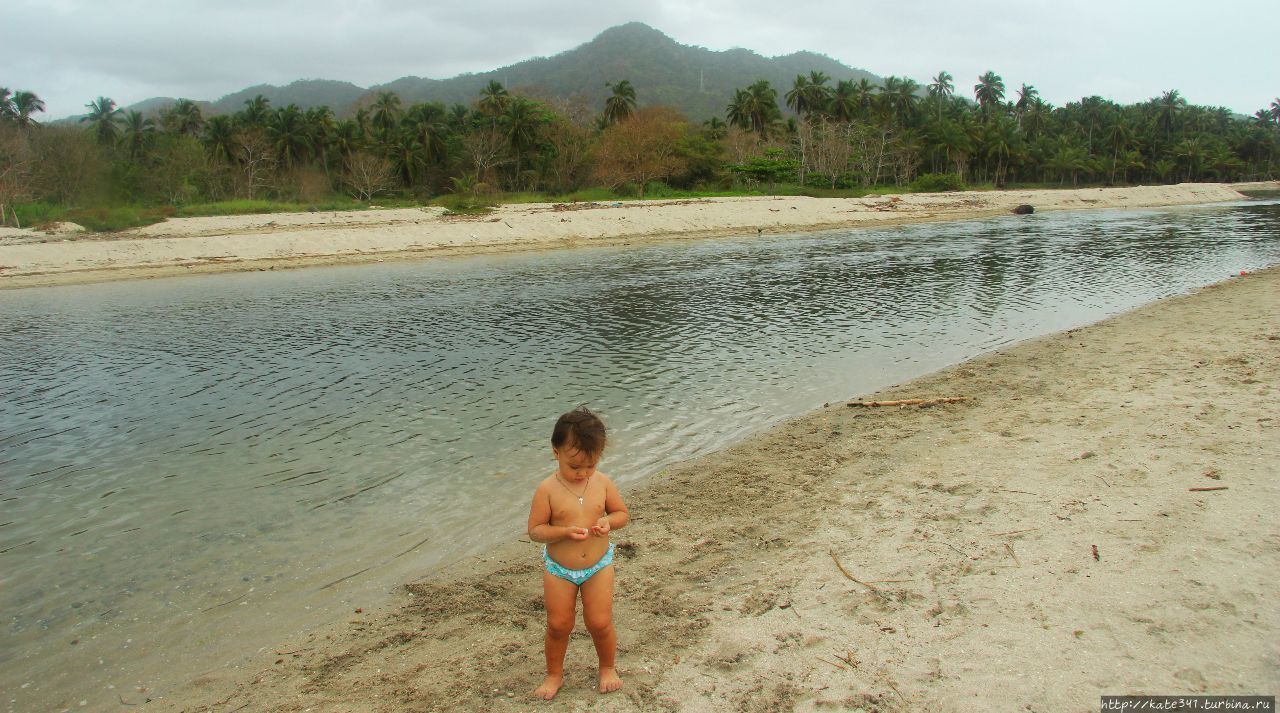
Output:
x=850 y=577
x=1203 y=490
x=1014 y=532
x=911 y=402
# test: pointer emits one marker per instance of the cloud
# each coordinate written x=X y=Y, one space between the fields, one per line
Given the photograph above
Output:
x=70 y=51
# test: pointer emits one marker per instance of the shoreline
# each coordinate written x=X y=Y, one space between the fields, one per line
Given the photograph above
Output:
x=1040 y=542
x=187 y=246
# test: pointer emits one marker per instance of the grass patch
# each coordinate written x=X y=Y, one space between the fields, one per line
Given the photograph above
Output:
x=35 y=214
x=465 y=204
x=108 y=220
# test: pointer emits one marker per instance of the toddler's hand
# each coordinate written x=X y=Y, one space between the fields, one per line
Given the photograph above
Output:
x=578 y=533
x=601 y=528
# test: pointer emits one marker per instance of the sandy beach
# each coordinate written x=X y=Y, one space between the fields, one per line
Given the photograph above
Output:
x=30 y=258
x=1097 y=518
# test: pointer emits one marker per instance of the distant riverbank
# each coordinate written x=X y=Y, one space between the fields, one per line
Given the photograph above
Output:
x=288 y=240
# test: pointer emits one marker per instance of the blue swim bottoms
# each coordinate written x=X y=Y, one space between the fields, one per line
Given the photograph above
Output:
x=577 y=576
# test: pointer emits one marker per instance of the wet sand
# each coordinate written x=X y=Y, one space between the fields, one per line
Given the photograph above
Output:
x=289 y=240
x=1097 y=518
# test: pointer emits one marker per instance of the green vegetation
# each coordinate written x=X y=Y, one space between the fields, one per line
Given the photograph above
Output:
x=937 y=183
x=117 y=170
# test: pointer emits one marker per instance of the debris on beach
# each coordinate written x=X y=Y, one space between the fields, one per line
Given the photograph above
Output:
x=911 y=402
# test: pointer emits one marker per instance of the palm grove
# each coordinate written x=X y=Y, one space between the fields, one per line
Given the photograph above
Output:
x=817 y=136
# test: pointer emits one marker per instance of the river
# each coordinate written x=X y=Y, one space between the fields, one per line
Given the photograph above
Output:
x=192 y=469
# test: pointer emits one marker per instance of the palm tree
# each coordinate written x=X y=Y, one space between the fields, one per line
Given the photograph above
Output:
x=1119 y=135
x=347 y=139
x=715 y=129
x=754 y=108
x=1163 y=168
x=427 y=122
x=989 y=91
x=1275 y=108
x=521 y=123
x=457 y=119
x=6 y=105
x=287 y=132
x=1000 y=139
x=386 y=114
x=809 y=95
x=362 y=121
x=762 y=106
x=220 y=137
x=954 y=142
x=183 y=117
x=103 y=118
x=24 y=104
x=621 y=103
x=796 y=98
x=1169 y=105
x=139 y=131
x=1026 y=97
x=319 y=125
x=843 y=103
x=941 y=89
x=256 y=112
x=494 y=99
x=1192 y=152
x=863 y=93
x=406 y=154
x=1131 y=160
x=900 y=98
x=1033 y=119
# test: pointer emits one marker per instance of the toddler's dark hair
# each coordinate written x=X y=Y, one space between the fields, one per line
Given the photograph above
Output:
x=581 y=429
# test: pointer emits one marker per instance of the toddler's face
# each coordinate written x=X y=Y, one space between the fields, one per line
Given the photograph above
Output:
x=575 y=466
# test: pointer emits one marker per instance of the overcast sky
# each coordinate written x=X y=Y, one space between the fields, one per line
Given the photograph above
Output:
x=1222 y=53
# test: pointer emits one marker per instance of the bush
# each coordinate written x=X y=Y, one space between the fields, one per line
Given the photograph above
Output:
x=32 y=214
x=464 y=204
x=937 y=183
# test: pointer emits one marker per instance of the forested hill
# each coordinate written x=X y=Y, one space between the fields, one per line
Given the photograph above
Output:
x=699 y=81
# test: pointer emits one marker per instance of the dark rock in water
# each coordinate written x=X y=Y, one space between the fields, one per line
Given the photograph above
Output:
x=1024 y=209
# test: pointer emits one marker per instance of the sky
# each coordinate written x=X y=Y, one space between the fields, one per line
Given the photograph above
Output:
x=69 y=52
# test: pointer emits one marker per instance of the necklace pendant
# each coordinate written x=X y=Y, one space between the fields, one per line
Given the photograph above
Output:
x=579 y=501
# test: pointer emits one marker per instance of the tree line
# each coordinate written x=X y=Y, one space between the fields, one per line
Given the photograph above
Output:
x=818 y=135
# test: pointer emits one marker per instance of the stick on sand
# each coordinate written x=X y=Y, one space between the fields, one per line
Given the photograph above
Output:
x=850 y=576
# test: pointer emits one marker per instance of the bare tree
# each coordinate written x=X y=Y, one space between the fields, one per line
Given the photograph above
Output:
x=641 y=148
x=256 y=160
x=368 y=174
x=16 y=160
x=830 y=150
x=486 y=148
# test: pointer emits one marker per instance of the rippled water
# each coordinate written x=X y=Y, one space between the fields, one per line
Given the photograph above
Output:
x=191 y=469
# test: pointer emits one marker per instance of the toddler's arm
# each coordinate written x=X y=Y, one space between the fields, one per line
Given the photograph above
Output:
x=540 y=527
x=616 y=515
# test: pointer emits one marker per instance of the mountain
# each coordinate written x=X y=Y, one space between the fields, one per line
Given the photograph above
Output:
x=306 y=93
x=698 y=81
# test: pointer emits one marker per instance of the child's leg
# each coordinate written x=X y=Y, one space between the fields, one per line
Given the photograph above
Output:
x=561 y=599
x=597 y=614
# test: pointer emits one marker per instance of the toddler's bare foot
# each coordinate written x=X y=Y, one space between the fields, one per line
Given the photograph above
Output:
x=550 y=686
x=609 y=681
